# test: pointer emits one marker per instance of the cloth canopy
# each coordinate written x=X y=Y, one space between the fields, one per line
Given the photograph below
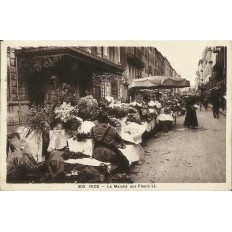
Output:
x=163 y=82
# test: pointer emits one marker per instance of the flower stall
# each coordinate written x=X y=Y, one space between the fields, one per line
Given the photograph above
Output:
x=62 y=134
x=128 y=123
x=166 y=107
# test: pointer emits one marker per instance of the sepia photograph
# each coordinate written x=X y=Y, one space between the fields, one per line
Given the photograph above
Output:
x=116 y=115
x=115 y=110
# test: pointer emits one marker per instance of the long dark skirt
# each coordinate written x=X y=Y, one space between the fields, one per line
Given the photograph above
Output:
x=191 y=118
x=111 y=155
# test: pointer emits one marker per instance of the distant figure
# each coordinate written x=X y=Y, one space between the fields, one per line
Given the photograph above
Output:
x=191 y=116
x=215 y=100
x=205 y=102
x=223 y=102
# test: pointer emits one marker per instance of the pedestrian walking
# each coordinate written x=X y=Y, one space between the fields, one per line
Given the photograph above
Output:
x=205 y=102
x=191 y=117
x=200 y=101
x=216 y=103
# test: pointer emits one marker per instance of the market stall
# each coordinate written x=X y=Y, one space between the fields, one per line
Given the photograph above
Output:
x=166 y=110
x=62 y=140
x=61 y=132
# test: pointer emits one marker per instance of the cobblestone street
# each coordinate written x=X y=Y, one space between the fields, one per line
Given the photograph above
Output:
x=186 y=156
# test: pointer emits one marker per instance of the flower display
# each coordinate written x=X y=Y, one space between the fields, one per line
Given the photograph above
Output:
x=132 y=118
x=167 y=110
x=109 y=99
x=66 y=112
x=165 y=117
x=132 y=110
x=135 y=103
x=117 y=111
x=71 y=126
x=40 y=119
x=103 y=102
x=145 y=114
x=154 y=104
x=67 y=94
x=88 y=108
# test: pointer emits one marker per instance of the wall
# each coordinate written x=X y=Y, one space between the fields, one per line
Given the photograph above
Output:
x=15 y=108
x=212 y=67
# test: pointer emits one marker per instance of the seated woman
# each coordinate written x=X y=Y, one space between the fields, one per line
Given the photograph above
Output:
x=106 y=141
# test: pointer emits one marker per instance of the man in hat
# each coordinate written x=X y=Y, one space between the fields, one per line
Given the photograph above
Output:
x=216 y=103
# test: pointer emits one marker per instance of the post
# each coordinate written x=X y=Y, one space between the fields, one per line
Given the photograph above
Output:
x=105 y=52
x=17 y=77
x=119 y=60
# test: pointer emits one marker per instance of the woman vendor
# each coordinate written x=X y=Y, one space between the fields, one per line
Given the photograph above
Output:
x=106 y=141
x=191 y=116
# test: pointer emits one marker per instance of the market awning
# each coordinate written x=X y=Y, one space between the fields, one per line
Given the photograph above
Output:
x=175 y=83
x=47 y=56
x=163 y=82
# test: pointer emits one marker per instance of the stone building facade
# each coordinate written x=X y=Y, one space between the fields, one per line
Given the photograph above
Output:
x=212 y=69
x=31 y=71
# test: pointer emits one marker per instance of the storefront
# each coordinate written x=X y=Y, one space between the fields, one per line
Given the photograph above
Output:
x=34 y=74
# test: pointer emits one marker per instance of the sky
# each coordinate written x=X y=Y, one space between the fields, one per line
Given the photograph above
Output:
x=184 y=56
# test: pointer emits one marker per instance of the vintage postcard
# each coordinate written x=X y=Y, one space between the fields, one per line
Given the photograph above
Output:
x=116 y=115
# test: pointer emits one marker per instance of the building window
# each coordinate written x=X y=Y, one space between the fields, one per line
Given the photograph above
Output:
x=111 y=54
x=114 y=89
x=103 y=90
x=120 y=91
x=108 y=89
x=142 y=49
x=94 y=50
x=102 y=51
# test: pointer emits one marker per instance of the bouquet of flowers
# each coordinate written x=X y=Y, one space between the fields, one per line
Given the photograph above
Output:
x=157 y=105
x=40 y=119
x=167 y=110
x=139 y=99
x=136 y=104
x=67 y=94
x=132 y=118
x=103 y=102
x=66 y=112
x=71 y=126
x=132 y=110
x=117 y=111
x=88 y=108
